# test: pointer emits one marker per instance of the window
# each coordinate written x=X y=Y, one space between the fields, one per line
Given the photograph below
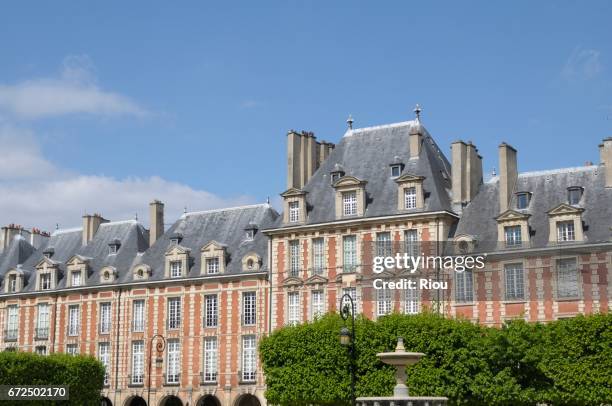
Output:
x=174 y=313
x=316 y=304
x=349 y=203
x=112 y=249
x=349 y=253
x=412 y=304
x=176 y=269
x=464 y=286
x=294 y=212
x=105 y=318
x=383 y=245
x=396 y=171
x=565 y=231
x=41 y=349
x=212 y=265
x=12 y=323
x=250 y=234
x=42 y=322
x=411 y=243
x=335 y=176
x=72 y=349
x=12 y=283
x=574 y=194
x=293 y=307
x=522 y=201
x=515 y=287
x=513 y=236
x=174 y=358
x=138 y=362
x=410 y=200
x=318 y=256
x=352 y=292
x=74 y=320
x=210 y=360
x=104 y=357
x=383 y=302
x=294 y=252
x=138 y=319
x=567 y=278
x=45 y=281
x=249 y=358
x=210 y=311
x=249 y=309
x=76 y=278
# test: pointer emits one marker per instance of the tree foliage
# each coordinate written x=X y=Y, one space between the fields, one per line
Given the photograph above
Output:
x=567 y=362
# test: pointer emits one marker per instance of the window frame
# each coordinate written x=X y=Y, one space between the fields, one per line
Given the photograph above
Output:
x=514 y=282
x=410 y=198
x=174 y=305
x=211 y=311
x=349 y=203
x=249 y=308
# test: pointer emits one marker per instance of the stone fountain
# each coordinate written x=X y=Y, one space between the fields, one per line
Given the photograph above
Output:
x=400 y=358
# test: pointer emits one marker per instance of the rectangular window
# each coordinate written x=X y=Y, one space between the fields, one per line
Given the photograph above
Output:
x=174 y=313
x=410 y=200
x=522 y=201
x=138 y=362
x=383 y=245
x=249 y=309
x=45 y=281
x=515 y=287
x=565 y=231
x=464 y=288
x=574 y=195
x=567 y=278
x=138 y=319
x=294 y=253
x=76 y=278
x=412 y=304
x=104 y=357
x=12 y=322
x=318 y=256
x=176 y=269
x=41 y=350
x=210 y=360
x=105 y=318
x=293 y=307
x=396 y=171
x=349 y=253
x=316 y=304
x=294 y=212
x=513 y=236
x=42 y=322
x=383 y=302
x=173 y=369
x=349 y=203
x=72 y=349
x=411 y=243
x=249 y=358
x=212 y=265
x=74 y=320
x=12 y=283
x=210 y=311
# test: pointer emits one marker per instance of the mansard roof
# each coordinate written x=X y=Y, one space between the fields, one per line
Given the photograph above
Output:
x=548 y=192
x=17 y=252
x=365 y=154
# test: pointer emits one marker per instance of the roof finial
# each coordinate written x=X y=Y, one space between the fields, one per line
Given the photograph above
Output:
x=268 y=200
x=57 y=226
x=417 y=111
x=185 y=210
x=350 y=121
x=136 y=216
x=493 y=173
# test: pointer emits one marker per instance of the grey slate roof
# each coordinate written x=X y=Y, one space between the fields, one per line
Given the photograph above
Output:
x=549 y=189
x=366 y=154
x=17 y=252
x=225 y=226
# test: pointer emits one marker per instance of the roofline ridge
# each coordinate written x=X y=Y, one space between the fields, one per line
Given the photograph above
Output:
x=112 y=223
x=350 y=132
x=559 y=170
x=247 y=206
x=67 y=230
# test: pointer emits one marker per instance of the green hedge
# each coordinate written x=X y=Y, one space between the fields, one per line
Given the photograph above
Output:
x=567 y=362
x=83 y=374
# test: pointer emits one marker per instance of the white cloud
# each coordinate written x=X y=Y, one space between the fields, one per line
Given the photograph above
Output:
x=582 y=64
x=74 y=92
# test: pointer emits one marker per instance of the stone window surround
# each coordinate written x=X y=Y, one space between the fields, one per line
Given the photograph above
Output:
x=561 y=213
x=407 y=181
x=146 y=272
x=78 y=265
x=555 y=270
x=19 y=283
x=290 y=196
x=350 y=184
x=502 y=281
x=213 y=249
x=512 y=218
x=46 y=267
x=112 y=274
x=174 y=254
x=252 y=256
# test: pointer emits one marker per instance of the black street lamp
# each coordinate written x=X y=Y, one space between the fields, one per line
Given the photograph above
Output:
x=347 y=337
x=159 y=360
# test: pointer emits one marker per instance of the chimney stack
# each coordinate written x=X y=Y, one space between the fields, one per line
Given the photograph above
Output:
x=466 y=171
x=605 y=154
x=508 y=175
x=38 y=237
x=304 y=156
x=91 y=223
x=8 y=233
x=416 y=138
x=156 y=217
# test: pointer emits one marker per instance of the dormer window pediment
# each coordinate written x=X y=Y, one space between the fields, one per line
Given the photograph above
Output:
x=177 y=261
x=77 y=271
x=47 y=274
x=564 y=209
x=565 y=224
x=294 y=206
x=213 y=257
x=410 y=194
x=513 y=229
x=511 y=215
x=350 y=197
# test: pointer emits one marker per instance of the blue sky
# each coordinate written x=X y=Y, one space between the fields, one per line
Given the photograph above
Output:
x=191 y=102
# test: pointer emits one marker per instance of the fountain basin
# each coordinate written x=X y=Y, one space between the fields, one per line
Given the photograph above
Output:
x=400 y=358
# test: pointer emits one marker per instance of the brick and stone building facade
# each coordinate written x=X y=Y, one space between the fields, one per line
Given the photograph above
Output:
x=213 y=283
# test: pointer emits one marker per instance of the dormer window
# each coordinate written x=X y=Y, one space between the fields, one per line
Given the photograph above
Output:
x=410 y=194
x=349 y=203
x=212 y=265
x=213 y=256
x=512 y=236
x=113 y=247
x=251 y=229
x=565 y=224
x=48 y=253
x=294 y=206
x=176 y=269
x=574 y=194
x=566 y=231
x=410 y=198
x=522 y=200
x=335 y=176
x=251 y=262
x=45 y=281
x=12 y=283
x=176 y=238
x=396 y=170
x=75 y=279
x=294 y=212
x=142 y=271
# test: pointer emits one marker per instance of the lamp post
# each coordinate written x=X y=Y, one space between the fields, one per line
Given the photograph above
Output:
x=160 y=346
x=347 y=337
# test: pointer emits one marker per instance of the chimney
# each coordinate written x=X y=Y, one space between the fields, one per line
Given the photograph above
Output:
x=416 y=137
x=8 y=233
x=294 y=150
x=466 y=171
x=91 y=223
x=605 y=154
x=38 y=237
x=508 y=174
x=156 y=217
x=304 y=156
